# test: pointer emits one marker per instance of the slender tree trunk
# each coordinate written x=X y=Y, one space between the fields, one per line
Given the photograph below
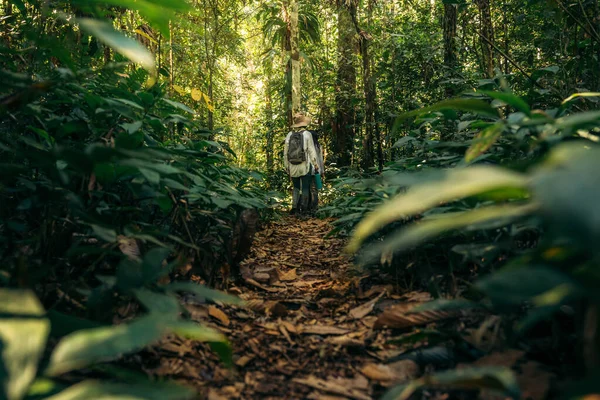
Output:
x=171 y=72
x=370 y=96
x=295 y=56
x=450 y=57
x=345 y=88
x=270 y=133
x=487 y=32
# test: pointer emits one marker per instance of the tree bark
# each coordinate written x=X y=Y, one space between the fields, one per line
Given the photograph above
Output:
x=450 y=56
x=345 y=88
x=295 y=56
x=171 y=73
x=487 y=31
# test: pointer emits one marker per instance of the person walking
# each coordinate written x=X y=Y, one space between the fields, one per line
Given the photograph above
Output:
x=300 y=161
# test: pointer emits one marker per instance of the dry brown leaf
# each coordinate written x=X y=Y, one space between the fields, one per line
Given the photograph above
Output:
x=364 y=309
x=398 y=372
x=261 y=277
x=258 y=285
x=244 y=360
x=321 y=330
x=332 y=387
x=397 y=316
x=289 y=276
x=289 y=326
x=218 y=315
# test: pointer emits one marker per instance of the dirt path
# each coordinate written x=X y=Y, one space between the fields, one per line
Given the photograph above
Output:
x=301 y=335
x=311 y=330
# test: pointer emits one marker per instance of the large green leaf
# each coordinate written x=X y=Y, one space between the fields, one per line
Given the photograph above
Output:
x=471 y=105
x=497 y=379
x=459 y=183
x=568 y=192
x=512 y=286
x=119 y=42
x=124 y=391
x=429 y=228
x=86 y=347
x=484 y=141
x=23 y=334
x=202 y=291
x=510 y=99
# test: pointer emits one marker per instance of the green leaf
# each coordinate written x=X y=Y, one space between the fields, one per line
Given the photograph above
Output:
x=178 y=105
x=132 y=127
x=497 y=379
x=151 y=176
x=90 y=346
x=121 y=391
x=429 y=228
x=510 y=99
x=23 y=338
x=513 y=286
x=191 y=330
x=459 y=183
x=202 y=291
x=166 y=307
x=119 y=42
x=578 y=95
x=578 y=120
x=484 y=141
x=470 y=105
x=103 y=233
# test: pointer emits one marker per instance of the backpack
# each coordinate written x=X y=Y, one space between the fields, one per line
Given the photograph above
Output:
x=296 y=154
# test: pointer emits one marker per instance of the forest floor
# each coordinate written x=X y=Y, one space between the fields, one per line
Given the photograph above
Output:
x=309 y=328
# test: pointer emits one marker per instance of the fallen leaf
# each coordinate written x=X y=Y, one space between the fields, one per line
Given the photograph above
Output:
x=321 y=330
x=364 y=309
x=332 y=387
x=244 y=360
x=397 y=316
x=218 y=315
x=395 y=373
x=289 y=276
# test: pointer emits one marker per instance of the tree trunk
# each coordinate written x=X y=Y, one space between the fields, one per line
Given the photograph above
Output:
x=370 y=96
x=345 y=88
x=486 y=36
x=171 y=73
x=269 y=146
x=295 y=56
x=450 y=57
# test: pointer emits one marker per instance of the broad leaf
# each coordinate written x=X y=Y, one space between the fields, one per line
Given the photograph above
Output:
x=429 y=228
x=202 y=291
x=514 y=285
x=121 y=43
x=459 y=183
x=471 y=105
x=23 y=334
x=484 y=141
x=120 y=391
x=86 y=347
x=510 y=99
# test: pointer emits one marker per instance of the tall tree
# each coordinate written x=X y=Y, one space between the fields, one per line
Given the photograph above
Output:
x=345 y=88
x=450 y=56
x=295 y=55
x=486 y=35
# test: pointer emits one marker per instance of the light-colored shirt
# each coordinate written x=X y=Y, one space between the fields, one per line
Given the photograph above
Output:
x=297 y=170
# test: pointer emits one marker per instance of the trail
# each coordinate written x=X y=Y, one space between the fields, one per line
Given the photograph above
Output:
x=311 y=329
x=306 y=331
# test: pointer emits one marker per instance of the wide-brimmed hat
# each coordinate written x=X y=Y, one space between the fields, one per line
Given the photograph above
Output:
x=300 y=120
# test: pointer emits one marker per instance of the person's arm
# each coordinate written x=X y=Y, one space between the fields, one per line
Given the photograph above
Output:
x=310 y=150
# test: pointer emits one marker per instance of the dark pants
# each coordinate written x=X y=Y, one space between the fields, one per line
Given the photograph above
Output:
x=301 y=184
